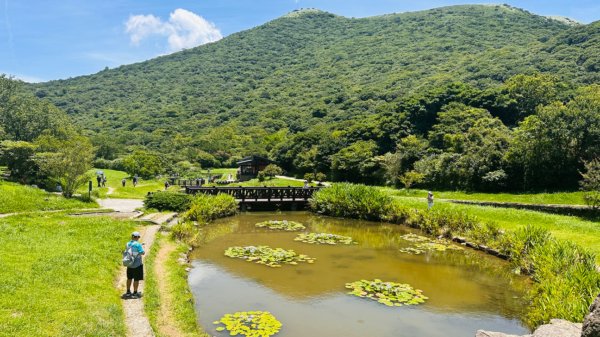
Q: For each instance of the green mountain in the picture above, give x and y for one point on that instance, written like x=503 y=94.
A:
x=312 y=69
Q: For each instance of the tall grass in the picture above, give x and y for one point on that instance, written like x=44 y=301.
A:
x=20 y=198
x=566 y=280
x=352 y=201
x=179 y=295
x=57 y=275
x=168 y=201
x=203 y=209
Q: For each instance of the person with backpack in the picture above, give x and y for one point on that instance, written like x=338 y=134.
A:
x=132 y=259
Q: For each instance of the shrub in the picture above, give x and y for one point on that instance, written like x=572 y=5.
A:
x=352 y=201
x=205 y=208
x=168 y=201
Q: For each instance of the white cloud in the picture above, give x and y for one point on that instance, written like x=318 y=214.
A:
x=183 y=30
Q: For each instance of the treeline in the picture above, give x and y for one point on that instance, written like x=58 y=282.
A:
x=533 y=132
x=38 y=143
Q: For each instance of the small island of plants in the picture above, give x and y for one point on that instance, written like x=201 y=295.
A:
x=389 y=293
x=250 y=324
x=272 y=257
x=285 y=225
x=324 y=238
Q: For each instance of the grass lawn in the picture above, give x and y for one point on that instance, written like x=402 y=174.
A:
x=57 y=275
x=581 y=231
x=559 y=198
x=20 y=198
x=113 y=180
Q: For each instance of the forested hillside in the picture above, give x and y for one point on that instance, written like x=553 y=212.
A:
x=323 y=93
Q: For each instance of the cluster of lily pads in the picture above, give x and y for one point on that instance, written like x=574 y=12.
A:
x=424 y=244
x=250 y=324
x=272 y=257
x=285 y=225
x=324 y=238
x=388 y=293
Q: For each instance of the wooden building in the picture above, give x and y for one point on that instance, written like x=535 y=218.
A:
x=249 y=167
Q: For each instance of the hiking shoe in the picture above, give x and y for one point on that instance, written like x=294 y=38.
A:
x=127 y=295
x=136 y=295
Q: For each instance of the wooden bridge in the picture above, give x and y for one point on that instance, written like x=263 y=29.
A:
x=262 y=197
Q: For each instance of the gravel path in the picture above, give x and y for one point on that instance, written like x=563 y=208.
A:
x=121 y=205
x=135 y=318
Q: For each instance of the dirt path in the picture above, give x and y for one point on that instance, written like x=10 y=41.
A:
x=166 y=323
x=135 y=318
x=111 y=190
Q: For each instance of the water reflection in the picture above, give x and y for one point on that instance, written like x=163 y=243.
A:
x=467 y=290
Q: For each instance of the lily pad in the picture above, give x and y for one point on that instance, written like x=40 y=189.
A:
x=411 y=250
x=424 y=244
x=250 y=324
x=285 y=225
x=324 y=238
x=414 y=238
x=272 y=257
x=390 y=294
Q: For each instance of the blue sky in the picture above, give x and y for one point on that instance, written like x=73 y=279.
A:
x=43 y=40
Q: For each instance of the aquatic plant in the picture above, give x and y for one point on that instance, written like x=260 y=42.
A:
x=272 y=257
x=285 y=225
x=250 y=324
x=411 y=250
x=440 y=246
x=324 y=238
x=388 y=293
x=414 y=238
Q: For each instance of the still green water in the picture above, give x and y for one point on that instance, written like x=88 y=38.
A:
x=467 y=290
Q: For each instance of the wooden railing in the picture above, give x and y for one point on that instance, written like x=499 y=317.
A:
x=258 y=193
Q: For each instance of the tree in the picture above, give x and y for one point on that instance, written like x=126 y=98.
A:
x=18 y=156
x=527 y=92
x=272 y=170
x=356 y=162
x=143 y=163
x=550 y=146
x=410 y=178
x=591 y=184
x=68 y=163
x=24 y=117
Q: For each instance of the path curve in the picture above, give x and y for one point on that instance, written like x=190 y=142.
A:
x=121 y=205
x=136 y=320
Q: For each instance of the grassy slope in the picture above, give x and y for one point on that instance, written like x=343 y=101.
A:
x=583 y=232
x=57 y=275
x=562 y=198
x=19 y=198
x=113 y=179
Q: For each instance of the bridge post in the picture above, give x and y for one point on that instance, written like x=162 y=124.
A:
x=269 y=194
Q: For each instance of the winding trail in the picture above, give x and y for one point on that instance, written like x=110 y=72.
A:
x=136 y=320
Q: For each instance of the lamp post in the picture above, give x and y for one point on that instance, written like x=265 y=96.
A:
x=209 y=176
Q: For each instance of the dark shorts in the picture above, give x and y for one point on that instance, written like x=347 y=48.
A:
x=137 y=274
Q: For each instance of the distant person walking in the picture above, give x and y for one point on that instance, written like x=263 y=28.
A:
x=135 y=272
x=135 y=180
x=103 y=181
x=123 y=181
x=306 y=185
x=429 y=200
x=166 y=185
x=99 y=180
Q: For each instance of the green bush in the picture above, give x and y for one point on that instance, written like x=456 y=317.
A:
x=352 y=201
x=205 y=208
x=168 y=201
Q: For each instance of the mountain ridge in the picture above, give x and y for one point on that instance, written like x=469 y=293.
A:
x=318 y=68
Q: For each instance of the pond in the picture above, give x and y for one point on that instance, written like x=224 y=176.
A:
x=466 y=290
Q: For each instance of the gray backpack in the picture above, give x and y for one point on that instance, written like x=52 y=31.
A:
x=128 y=257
